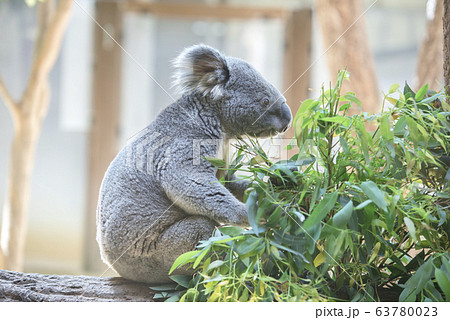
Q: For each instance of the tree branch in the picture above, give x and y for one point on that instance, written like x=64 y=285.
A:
x=17 y=286
x=9 y=101
x=48 y=50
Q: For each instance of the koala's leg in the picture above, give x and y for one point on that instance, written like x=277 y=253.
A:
x=181 y=237
x=153 y=267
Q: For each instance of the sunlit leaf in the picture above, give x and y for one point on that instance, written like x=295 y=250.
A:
x=393 y=88
x=320 y=258
x=411 y=227
x=375 y=194
x=218 y=163
x=421 y=92
x=183 y=259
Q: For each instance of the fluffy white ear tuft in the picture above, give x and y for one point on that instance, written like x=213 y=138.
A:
x=203 y=69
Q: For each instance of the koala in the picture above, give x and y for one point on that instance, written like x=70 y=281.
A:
x=159 y=196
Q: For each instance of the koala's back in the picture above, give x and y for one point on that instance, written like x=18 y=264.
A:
x=132 y=209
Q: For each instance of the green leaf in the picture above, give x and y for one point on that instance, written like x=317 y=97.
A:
x=398 y=263
x=392 y=100
x=250 y=247
x=257 y=159
x=307 y=105
x=364 y=139
x=252 y=210
x=321 y=210
x=400 y=126
x=216 y=162
x=159 y=296
x=341 y=218
x=417 y=282
x=344 y=144
x=411 y=228
x=421 y=93
x=279 y=246
x=345 y=121
x=413 y=131
x=375 y=250
x=320 y=258
x=352 y=98
x=183 y=259
x=181 y=280
x=215 y=264
x=444 y=282
x=313 y=234
x=363 y=204
x=385 y=128
x=375 y=194
x=442 y=214
x=275 y=252
x=345 y=106
x=173 y=299
x=200 y=257
x=407 y=91
x=231 y=231
x=393 y=88
x=285 y=169
x=164 y=287
x=332 y=247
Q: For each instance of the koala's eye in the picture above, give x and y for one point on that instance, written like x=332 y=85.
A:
x=266 y=102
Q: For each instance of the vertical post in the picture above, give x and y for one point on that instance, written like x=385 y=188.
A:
x=297 y=60
x=104 y=135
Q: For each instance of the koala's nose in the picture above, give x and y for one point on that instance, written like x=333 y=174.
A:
x=286 y=117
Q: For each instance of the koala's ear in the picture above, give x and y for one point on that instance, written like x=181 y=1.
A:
x=203 y=69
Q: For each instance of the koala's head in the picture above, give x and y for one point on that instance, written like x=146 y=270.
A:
x=247 y=103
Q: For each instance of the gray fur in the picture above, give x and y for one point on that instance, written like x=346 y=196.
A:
x=200 y=69
x=159 y=196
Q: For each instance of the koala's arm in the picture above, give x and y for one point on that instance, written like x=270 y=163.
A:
x=196 y=190
x=237 y=187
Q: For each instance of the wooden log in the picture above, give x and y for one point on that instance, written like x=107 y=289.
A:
x=17 y=286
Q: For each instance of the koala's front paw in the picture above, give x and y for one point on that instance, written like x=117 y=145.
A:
x=239 y=218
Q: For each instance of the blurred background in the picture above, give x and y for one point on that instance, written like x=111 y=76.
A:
x=101 y=94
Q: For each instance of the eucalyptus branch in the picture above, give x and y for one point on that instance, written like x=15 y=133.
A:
x=48 y=51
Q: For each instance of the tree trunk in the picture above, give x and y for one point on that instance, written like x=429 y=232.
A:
x=429 y=63
x=27 y=116
x=446 y=22
x=16 y=286
x=16 y=206
x=345 y=38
